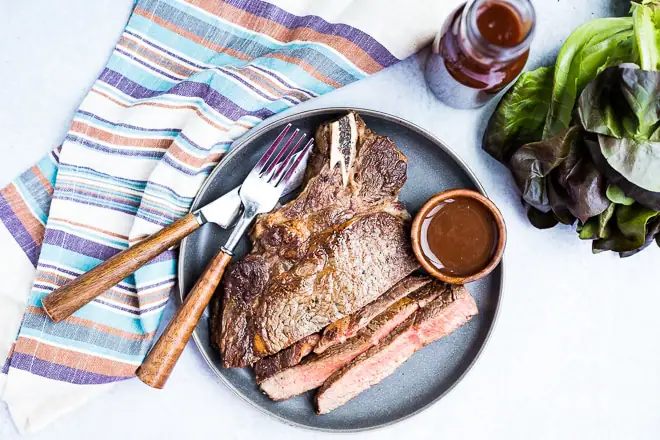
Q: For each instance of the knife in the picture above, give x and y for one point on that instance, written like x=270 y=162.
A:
x=223 y=211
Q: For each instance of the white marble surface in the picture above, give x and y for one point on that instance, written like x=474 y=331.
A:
x=574 y=354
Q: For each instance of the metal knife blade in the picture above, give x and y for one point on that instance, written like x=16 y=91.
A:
x=225 y=210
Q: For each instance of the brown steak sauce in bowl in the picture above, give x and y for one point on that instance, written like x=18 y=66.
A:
x=459 y=236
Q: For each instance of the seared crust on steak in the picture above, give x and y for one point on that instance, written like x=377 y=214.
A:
x=289 y=357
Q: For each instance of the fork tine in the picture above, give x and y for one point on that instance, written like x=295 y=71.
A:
x=291 y=167
x=280 y=170
x=280 y=153
x=264 y=159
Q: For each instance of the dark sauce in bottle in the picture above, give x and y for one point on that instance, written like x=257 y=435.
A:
x=482 y=48
x=500 y=24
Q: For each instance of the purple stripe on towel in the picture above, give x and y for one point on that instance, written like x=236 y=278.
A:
x=5 y=367
x=18 y=231
x=266 y=10
x=60 y=372
x=190 y=89
x=79 y=245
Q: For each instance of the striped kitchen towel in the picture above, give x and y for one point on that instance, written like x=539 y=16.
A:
x=184 y=81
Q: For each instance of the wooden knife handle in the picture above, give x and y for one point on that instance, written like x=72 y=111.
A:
x=160 y=362
x=66 y=300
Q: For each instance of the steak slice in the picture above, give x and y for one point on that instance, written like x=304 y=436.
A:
x=345 y=269
x=338 y=246
x=440 y=318
x=339 y=331
x=315 y=369
x=286 y=358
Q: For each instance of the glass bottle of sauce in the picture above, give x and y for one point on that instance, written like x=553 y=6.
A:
x=482 y=48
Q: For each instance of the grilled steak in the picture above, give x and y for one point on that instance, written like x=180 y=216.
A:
x=290 y=356
x=337 y=247
x=440 y=318
x=315 y=369
x=339 y=331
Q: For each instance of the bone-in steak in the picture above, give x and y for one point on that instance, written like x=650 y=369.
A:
x=337 y=247
x=438 y=319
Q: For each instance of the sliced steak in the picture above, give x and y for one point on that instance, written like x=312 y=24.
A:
x=339 y=331
x=286 y=358
x=315 y=369
x=345 y=269
x=439 y=318
x=338 y=246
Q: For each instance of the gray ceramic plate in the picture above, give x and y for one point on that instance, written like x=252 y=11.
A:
x=429 y=374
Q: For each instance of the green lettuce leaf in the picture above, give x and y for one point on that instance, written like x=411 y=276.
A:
x=597 y=227
x=634 y=228
x=647 y=35
x=589 y=49
x=646 y=40
x=616 y=195
x=520 y=115
x=637 y=161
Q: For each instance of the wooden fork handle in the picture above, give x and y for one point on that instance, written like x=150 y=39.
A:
x=66 y=300
x=160 y=362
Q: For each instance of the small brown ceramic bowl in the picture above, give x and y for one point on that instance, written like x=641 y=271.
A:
x=453 y=194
